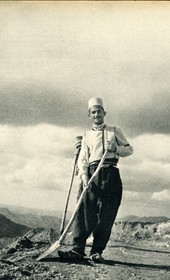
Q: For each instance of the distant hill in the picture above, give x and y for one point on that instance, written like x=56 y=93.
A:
x=32 y=220
x=147 y=220
x=35 y=218
x=25 y=210
x=11 y=229
x=7 y=213
x=132 y=228
x=15 y=224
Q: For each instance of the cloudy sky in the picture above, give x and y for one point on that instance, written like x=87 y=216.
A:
x=54 y=56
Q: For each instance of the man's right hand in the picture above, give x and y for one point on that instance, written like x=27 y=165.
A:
x=85 y=180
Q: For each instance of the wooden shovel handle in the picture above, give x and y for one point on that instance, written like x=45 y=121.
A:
x=62 y=237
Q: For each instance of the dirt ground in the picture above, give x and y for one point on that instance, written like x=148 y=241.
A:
x=122 y=262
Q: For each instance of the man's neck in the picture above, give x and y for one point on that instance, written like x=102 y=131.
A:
x=98 y=126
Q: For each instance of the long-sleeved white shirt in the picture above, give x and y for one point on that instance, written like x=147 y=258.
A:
x=92 y=147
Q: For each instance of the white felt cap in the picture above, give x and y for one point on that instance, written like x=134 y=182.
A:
x=95 y=101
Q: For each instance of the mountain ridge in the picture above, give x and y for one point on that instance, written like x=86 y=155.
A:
x=11 y=229
x=144 y=219
x=31 y=220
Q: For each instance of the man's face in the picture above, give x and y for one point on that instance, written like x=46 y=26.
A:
x=97 y=114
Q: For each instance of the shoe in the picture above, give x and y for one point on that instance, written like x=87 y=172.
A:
x=70 y=255
x=96 y=257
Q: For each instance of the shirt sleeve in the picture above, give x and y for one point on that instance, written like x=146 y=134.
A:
x=123 y=148
x=83 y=160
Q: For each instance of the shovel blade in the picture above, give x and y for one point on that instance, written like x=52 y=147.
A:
x=50 y=250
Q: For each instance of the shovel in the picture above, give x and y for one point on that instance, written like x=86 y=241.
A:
x=58 y=243
x=78 y=147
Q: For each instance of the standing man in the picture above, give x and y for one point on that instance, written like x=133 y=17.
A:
x=102 y=199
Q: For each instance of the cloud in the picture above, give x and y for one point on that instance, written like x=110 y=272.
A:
x=141 y=204
x=163 y=195
x=152 y=147
x=137 y=196
x=151 y=117
x=29 y=106
x=148 y=168
x=50 y=67
x=37 y=157
x=38 y=199
x=36 y=166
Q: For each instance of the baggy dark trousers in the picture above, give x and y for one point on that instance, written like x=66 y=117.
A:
x=98 y=210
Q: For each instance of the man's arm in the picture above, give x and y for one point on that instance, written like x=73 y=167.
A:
x=123 y=148
x=83 y=162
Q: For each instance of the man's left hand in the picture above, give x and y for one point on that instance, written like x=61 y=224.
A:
x=110 y=146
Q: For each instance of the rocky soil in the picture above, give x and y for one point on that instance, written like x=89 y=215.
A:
x=136 y=259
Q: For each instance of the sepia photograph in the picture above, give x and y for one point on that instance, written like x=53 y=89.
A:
x=84 y=140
